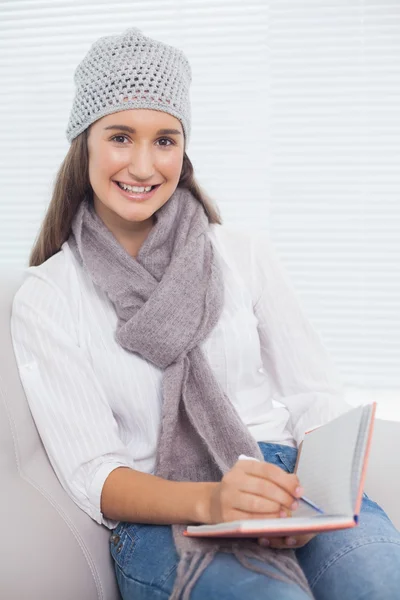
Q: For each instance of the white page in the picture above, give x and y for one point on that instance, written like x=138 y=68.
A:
x=326 y=465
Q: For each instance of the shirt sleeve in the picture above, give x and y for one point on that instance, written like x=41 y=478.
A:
x=68 y=404
x=303 y=375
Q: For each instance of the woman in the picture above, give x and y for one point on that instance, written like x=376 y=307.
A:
x=159 y=339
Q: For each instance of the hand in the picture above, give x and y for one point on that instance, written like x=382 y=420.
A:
x=291 y=541
x=253 y=490
x=294 y=541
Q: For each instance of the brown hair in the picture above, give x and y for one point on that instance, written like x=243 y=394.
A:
x=72 y=184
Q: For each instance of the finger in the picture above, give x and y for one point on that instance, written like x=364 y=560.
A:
x=302 y=540
x=283 y=542
x=273 y=542
x=267 y=489
x=252 y=503
x=240 y=515
x=295 y=541
x=287 y=481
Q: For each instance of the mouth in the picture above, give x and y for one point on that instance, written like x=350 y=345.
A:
x=136 y=195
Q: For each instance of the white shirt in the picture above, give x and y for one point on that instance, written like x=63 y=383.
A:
x=97 y=406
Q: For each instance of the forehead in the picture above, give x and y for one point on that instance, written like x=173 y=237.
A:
x=141 y=119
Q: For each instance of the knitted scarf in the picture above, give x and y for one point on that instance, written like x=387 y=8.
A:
x=168 y=299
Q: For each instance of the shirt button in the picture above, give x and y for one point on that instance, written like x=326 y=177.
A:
x=261 y=370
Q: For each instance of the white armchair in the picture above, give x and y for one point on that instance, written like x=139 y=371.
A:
x=51 y=548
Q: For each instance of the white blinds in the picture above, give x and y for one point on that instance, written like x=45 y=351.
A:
x=334 y=156
x=295 y=131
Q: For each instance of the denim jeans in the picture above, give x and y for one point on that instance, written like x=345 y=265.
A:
x=362 y=563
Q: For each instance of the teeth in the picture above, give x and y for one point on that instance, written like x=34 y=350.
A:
x=133 y=188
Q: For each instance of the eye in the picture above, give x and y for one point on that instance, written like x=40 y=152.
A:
x=172 y=143
x=118 y=136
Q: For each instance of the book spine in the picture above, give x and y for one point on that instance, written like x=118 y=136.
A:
x=364 y=471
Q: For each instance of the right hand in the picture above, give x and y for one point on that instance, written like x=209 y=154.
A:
x=253 y=490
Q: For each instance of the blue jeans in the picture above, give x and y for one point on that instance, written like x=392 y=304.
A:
x=352 y=564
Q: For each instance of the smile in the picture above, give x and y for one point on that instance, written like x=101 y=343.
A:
x=135 y=195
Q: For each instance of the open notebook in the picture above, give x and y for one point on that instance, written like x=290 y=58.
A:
x=331 y=468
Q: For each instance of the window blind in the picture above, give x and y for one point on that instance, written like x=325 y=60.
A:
x=295 y=132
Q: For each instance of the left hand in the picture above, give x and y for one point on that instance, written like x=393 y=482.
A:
x=285 y=542
x=291 y=541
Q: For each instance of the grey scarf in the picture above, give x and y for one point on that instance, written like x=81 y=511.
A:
x=168 y=300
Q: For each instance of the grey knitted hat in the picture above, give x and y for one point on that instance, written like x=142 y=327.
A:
x=128 y=71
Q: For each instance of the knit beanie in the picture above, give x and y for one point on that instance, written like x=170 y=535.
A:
x=126 y=71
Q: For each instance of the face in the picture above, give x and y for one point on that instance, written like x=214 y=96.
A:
x=129 y=147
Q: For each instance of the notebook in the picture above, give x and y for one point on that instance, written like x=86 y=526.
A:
x=331 y=468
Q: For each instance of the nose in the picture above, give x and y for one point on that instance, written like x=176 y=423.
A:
x=141 y=164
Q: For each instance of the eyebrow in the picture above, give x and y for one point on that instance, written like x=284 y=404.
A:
x=131 y=130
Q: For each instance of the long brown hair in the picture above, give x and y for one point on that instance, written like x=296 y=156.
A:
x=72 y=184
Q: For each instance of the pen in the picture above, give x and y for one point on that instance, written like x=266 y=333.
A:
x=310 y=503
x=303 y=498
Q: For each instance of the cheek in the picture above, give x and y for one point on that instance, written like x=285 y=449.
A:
x=112 y=160
x=104 y=163
x=170 y=164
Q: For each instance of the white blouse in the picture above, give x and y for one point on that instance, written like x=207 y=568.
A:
x=97 y=406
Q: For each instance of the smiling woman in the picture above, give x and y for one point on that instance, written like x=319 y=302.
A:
x=183 y=333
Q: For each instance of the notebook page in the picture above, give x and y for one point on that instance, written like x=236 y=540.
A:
x=326 y=465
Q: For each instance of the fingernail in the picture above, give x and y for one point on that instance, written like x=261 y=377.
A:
x=264 y=542
x=299 y=491
x=295 y=505
x=283 y=514
x=291 y=541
